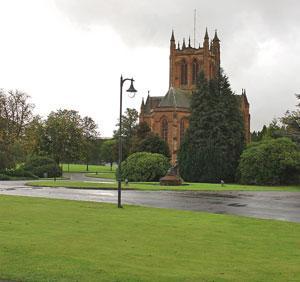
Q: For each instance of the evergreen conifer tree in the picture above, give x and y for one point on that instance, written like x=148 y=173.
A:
x=215 y=139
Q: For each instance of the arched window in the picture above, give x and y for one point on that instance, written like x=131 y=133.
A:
x=195 y=71
x=182 y=129
x=164 y=130
x=184 y=73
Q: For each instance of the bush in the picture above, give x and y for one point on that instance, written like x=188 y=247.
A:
x=40 y=165
x=144 y=166
x=4 y=177
x=271 y=161
x=20 y=173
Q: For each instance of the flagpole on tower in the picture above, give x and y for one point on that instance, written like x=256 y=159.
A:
x=195 y=22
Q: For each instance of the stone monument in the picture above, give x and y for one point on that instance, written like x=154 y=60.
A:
x=172 y=178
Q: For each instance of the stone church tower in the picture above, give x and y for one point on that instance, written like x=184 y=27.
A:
x=168 y=115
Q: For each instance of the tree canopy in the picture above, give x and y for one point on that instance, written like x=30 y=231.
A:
x=129 y=125
x=15 y=117
x=109 y=152
x=67 y=136
x=146 y=141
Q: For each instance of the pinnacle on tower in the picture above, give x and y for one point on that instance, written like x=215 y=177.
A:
x=189 y=41
x=172 y=37
x=183 y=44
x=206 y=42
x=172 y=42
x=216 y=39
x=178 y=46
x=206 y=35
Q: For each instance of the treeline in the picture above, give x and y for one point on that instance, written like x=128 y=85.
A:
x=274 y=155
x=64 y=136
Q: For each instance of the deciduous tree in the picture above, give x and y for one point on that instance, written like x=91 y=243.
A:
x=129 y=125
x=109 y=152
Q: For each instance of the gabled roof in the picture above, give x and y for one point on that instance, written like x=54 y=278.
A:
x=176 y=98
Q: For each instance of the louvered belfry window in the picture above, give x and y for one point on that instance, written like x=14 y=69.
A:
x=184 y=73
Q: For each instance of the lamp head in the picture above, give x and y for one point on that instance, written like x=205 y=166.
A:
x=131 y=89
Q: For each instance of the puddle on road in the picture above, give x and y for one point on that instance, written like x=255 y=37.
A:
x=237 y=205
x=208 y=194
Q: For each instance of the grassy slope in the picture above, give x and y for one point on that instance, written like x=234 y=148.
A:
x=156 y=186
x=82 y=168
x=55 y=240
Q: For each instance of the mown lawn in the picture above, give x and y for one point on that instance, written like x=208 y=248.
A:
x=82 y=168
x=153 y=186
x=58 y=240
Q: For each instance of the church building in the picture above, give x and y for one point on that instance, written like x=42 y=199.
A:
x=168 y=115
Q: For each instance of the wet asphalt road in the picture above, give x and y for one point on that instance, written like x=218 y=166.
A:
x=268 y=205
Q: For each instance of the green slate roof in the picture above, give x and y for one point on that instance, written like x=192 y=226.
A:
x=151 y=103
x=176 y=98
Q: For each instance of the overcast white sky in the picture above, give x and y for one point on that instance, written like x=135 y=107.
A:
x=70 y=53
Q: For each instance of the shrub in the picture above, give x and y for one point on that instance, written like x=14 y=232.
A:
x=40 y=165
x=20 y=173
x=144 y=166
x=4 y=177
x=271 y=161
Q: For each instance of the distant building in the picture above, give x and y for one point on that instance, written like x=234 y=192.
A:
x=168 y=115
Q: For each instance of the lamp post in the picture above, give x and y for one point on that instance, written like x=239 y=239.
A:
x=130 y=90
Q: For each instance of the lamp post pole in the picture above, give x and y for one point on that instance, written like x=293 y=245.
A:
x=131 y=90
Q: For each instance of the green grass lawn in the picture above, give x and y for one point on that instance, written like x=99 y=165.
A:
x=153 y=186
x=82 y=168
x=58 y=240
x=104 y=175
